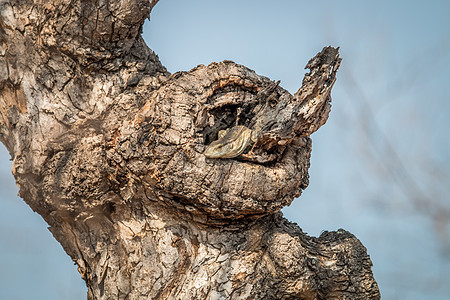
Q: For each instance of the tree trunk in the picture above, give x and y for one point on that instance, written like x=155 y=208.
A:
x=165 y=186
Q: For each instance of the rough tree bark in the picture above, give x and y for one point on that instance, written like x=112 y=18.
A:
x=108 y=148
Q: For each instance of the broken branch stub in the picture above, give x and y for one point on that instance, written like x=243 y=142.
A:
x=315 y=93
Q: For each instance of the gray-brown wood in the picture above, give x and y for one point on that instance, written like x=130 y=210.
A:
x=108 y=148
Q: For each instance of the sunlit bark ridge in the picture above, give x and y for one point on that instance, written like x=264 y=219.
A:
x=109 y=148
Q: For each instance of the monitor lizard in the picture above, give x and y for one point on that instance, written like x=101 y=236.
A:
x=231 y=142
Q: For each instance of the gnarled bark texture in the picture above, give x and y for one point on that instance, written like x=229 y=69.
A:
x=108 y=148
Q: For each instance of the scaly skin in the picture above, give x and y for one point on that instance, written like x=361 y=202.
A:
x=231 y=143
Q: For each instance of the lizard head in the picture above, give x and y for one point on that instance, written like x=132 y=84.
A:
x=232 y=142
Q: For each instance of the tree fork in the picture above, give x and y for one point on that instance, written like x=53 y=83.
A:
x=109 y=148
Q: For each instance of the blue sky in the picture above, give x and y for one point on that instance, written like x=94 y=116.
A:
x=381 y=158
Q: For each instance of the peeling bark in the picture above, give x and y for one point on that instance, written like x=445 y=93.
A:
x=108 y=148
